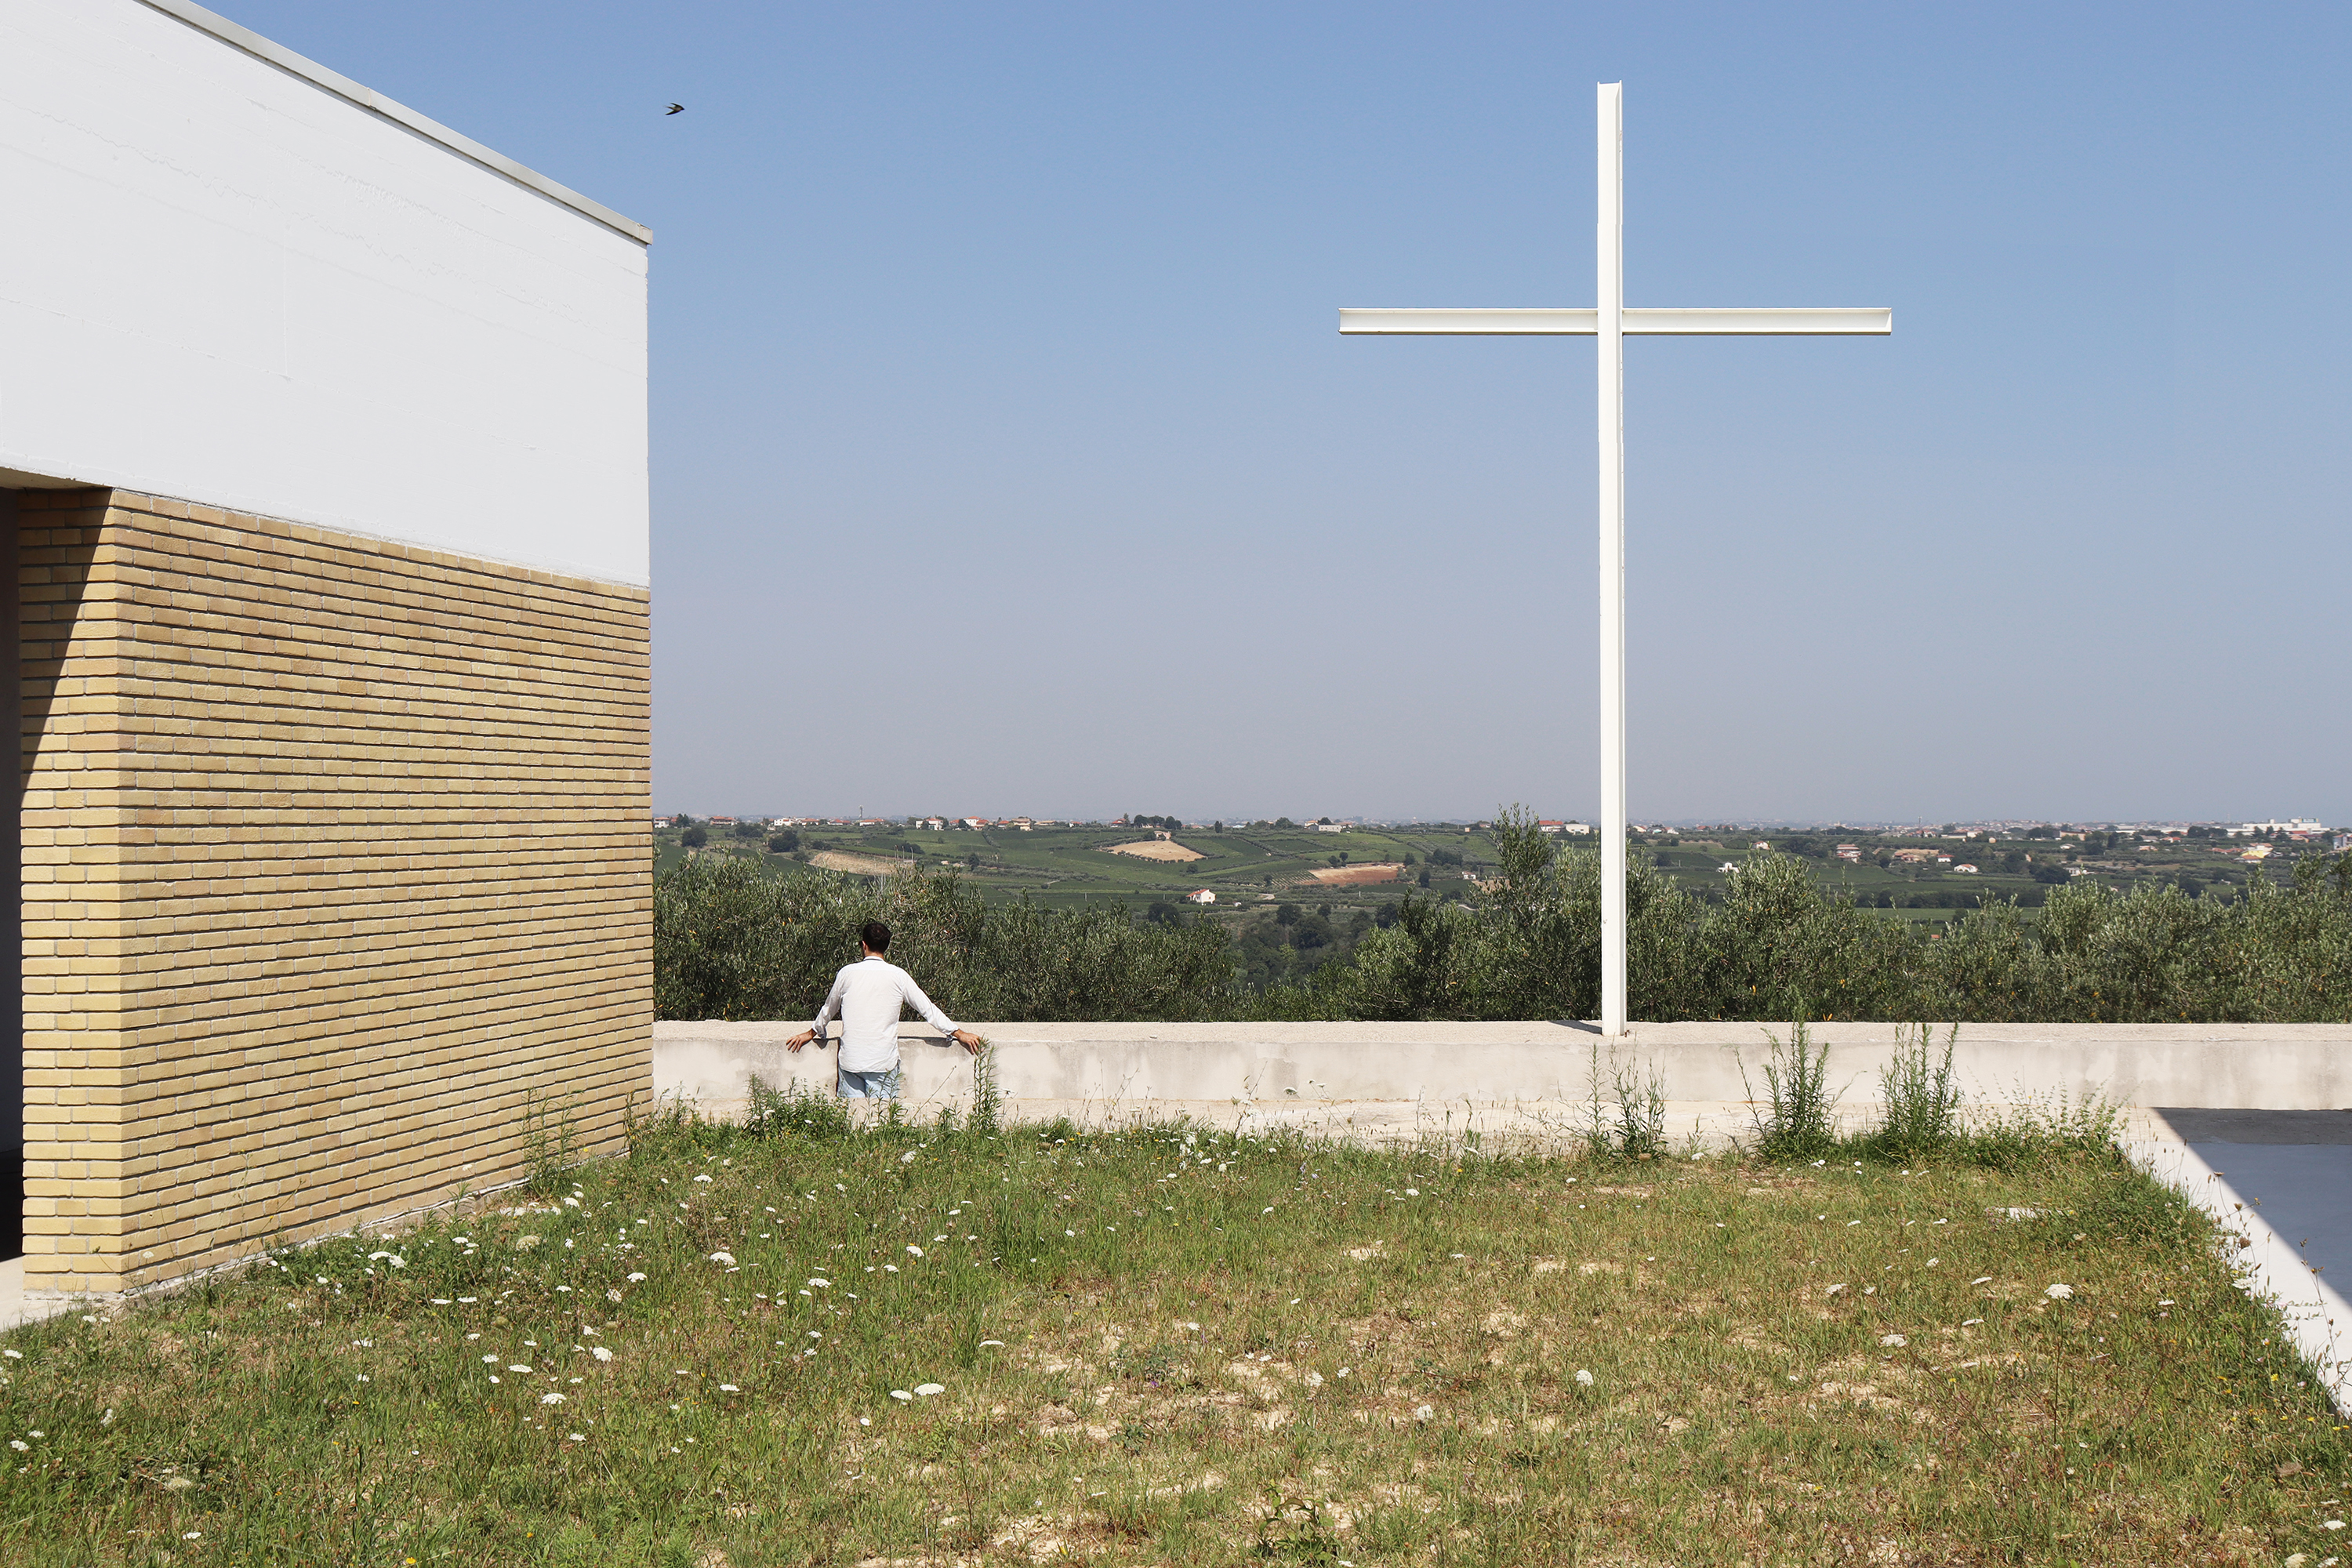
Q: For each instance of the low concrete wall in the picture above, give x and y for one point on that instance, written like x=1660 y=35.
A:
x=1526 y=1077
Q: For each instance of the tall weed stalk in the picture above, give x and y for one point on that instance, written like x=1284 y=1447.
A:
x=1800 y=1116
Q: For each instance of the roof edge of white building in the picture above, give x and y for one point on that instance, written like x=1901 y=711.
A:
x=342 y=86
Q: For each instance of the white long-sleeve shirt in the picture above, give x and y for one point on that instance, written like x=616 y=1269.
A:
x=866 y=998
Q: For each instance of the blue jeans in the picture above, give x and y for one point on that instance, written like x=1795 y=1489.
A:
x=881 y=1085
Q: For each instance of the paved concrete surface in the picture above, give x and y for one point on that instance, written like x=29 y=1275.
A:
x=2281 y=1183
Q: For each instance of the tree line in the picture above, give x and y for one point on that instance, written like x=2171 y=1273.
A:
x=736 y=940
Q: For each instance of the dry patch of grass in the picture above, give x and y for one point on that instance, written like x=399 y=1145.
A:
x=1379 y=871
x=860 y=865
x=1155 y=849
x=1170 y=1345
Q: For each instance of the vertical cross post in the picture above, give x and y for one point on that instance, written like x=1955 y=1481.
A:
x=1611 y=329
x=1609 y=322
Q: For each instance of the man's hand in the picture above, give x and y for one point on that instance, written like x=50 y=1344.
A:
x=968 y=1040
x=803 y=1038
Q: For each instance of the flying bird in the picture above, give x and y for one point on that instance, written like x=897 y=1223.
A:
x=675 y=108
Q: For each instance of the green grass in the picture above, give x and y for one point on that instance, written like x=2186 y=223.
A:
x=1213 y=1351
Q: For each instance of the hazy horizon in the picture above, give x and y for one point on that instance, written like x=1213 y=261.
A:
x=1006 y=455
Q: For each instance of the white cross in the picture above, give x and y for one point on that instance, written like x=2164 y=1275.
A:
x=1611 y=322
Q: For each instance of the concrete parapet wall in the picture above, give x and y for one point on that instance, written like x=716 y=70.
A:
x=1377 y=1069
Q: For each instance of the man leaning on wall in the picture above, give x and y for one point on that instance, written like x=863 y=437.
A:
x=867 y=997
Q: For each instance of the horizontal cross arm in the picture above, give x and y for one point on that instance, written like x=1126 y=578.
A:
x=1672 y=322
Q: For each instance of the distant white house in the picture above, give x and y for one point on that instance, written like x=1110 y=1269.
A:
x=1848 y=852
x=1728 y=868
x=1965 y=870
x=1199 y=896
x=2299 y=824
x=1331 y=828
x=1549 y=827
x=935 y=824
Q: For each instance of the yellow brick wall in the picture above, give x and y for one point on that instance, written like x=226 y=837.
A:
x=335 y=850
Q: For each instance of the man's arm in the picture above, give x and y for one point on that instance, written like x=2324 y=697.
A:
x=823 y=1015
x=933 y=1016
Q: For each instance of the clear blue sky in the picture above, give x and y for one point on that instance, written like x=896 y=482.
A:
x=1006 y=456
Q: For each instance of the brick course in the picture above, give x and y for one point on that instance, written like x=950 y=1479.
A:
x=334 y=851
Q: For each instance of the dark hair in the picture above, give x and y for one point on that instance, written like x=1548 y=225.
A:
x=875 y=936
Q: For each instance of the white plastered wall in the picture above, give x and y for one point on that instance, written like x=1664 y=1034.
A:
x=226 y=280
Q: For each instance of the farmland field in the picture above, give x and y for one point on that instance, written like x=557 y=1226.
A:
x=1363 y=868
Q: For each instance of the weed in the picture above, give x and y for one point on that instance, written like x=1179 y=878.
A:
x=1921 y=1099
x=1801 y=1121
x=550 y=1140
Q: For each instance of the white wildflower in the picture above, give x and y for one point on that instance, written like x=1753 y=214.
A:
x=726 y=1258
x=1970 y=1322
x=2059 y=1292
x=19 y=1445
x=600 y=1352
x=913 y=1251
x=1981 y=1279
x=1423 y=1412
x=997 y=1343
x=551 y=1398
x=889 y=1268
x=518 y=1366
x=908 y=1158
x=636 y=1278
x=822 y=1284
x=1933 y=1261
x=925 y=1390
x=1583 y=1378
x=575 y=1436
x=14 y=1355
x=728 y=1388
x=1893 y=1342
x=1834 y=1291
x=702 y=1178
x=902 y=1397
